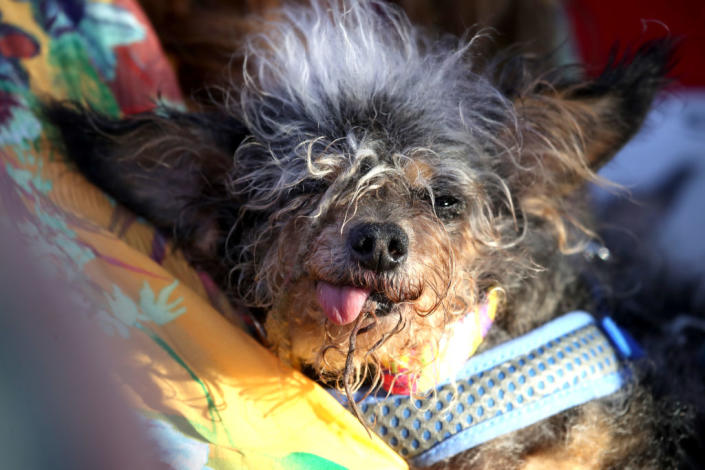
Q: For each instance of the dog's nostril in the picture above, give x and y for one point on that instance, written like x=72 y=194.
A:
x=397 y=248
x=378 y=246
x=364 y=244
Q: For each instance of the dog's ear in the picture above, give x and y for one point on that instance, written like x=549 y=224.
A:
x=167 y=166
x=571 y=127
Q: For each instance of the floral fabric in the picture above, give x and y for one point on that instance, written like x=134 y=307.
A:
x=210 y=395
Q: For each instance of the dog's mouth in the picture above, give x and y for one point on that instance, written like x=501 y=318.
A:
x=343 y=304
x=383 y=304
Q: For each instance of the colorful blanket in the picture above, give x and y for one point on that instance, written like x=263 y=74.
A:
x=210 y=395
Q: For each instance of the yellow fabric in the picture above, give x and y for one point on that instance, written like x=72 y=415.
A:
x=218 y=398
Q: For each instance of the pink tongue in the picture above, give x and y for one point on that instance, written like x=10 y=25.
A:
x=341 y=304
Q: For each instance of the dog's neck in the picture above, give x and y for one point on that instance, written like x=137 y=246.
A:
x=420 y=370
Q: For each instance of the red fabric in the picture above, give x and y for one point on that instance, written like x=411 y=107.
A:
x=599 y=24
x=17 y=44
x=143 y=71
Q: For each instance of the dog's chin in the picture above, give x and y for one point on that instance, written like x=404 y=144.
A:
x=306 y=332
x=384 y=331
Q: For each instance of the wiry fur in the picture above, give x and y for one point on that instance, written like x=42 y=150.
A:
x=346 y=114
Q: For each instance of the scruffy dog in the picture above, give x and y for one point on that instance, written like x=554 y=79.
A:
x=366 y=186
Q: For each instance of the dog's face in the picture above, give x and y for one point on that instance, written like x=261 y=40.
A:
x=367 y=185
x=386 y=250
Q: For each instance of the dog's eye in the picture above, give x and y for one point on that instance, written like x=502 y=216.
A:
x=445 y=202
x=448 y=207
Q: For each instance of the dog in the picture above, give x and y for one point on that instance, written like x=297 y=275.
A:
x=364 y=186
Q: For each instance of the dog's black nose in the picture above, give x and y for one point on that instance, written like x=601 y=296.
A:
x=378 y=246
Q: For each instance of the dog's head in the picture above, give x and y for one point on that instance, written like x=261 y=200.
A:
x=366 y=186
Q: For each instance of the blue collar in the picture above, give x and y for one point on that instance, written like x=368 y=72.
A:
x=564 y=363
